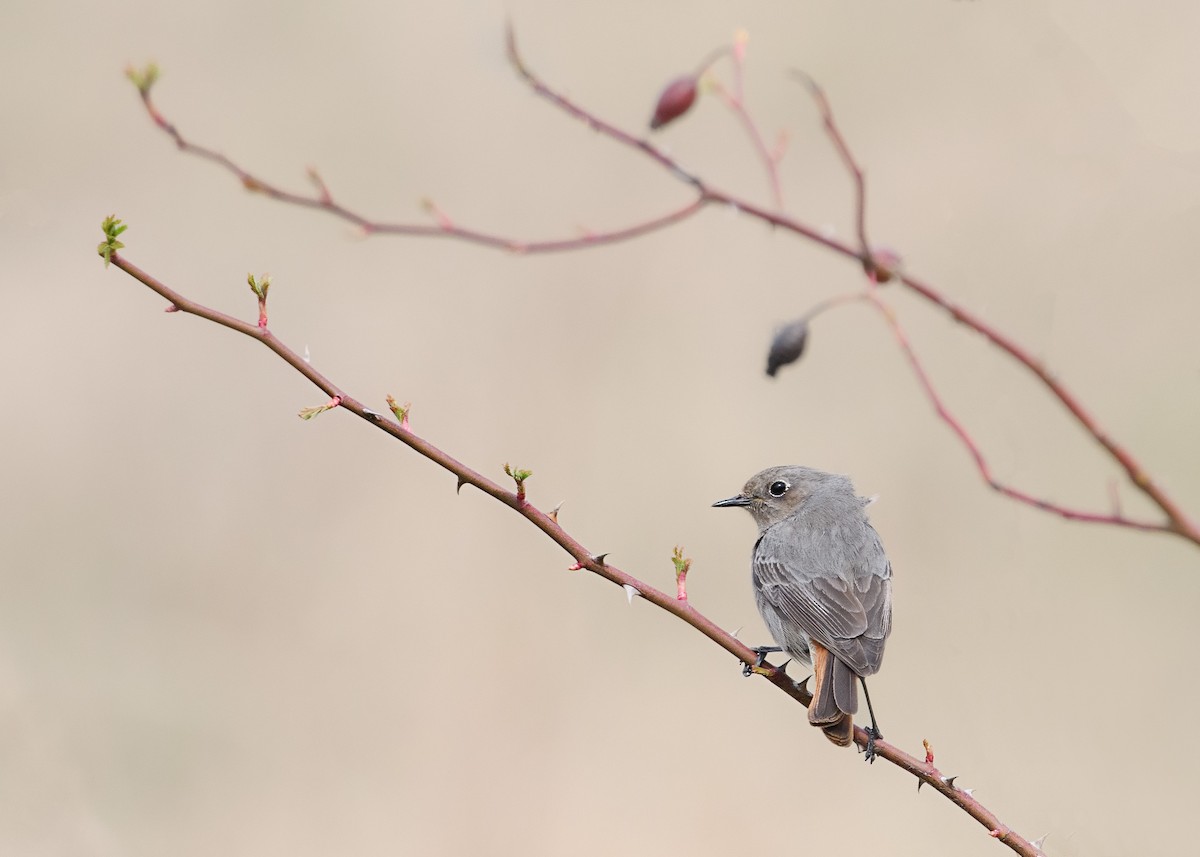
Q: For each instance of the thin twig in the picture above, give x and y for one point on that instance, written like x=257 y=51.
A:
x=584 y=559
x=323 y=200
x=852 y=167
x=736 y=102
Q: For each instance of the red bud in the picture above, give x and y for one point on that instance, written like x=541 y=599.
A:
x=675 y=100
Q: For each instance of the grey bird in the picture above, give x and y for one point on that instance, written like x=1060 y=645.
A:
x=823 y=586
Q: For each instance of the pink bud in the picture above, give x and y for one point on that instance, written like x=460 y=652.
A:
x=675 y=100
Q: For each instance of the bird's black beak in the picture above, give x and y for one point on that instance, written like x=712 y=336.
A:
x=739 y=500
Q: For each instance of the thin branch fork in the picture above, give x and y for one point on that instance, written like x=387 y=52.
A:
x=872 y=297
x=1176 y=520
x=322 y=200
x=1116 y=518
x=923 y=770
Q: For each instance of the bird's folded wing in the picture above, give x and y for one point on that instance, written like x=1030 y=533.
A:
x=849 y=619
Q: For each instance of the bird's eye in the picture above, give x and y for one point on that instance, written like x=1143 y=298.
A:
x=778 y=488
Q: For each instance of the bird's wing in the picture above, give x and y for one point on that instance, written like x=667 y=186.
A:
x=850 y=614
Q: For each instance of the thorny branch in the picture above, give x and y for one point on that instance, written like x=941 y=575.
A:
x=879 y=266
x=517 y=500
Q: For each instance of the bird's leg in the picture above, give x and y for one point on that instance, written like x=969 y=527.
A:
x=873 y=732
x=762 y=652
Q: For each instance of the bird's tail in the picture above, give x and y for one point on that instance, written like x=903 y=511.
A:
x=835 y=696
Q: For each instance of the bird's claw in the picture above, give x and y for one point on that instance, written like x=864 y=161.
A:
x=869 y=754
x=762 y=652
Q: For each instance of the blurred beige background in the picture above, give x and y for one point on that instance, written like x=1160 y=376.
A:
x=227 y=631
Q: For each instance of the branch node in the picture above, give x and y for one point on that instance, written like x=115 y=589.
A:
x=322 y=189
x=443 y=220
x=518 y=476
x=310 y=413
x=682 y=566
x=401 y=414
x=260 y=286
x=881 y=264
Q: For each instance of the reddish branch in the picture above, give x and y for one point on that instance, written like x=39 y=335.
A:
x=851 y=165
x=1115 y=518
x=1175 y=522
x=516 y=500
x=736 y=101
x=871 y=296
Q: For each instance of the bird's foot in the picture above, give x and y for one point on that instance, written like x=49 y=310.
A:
x=762 y=652
x=873 y=735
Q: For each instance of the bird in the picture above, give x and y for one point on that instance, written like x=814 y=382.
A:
x=823 y=585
